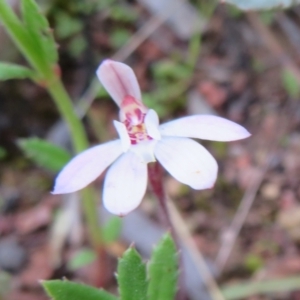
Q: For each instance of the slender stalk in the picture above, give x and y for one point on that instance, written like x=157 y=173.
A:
x=180 y=232
x=156 y=179
x=65 y=107
x=30 y=47
x=80 y=142
x=89 y=206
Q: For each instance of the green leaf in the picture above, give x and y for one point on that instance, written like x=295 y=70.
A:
x=163 y=271
x=13 y=71
x=82 y=258
x=45 y=154
x=247 y=289
x=167 y=68
x=123 y=13
x=17 y=31
x=119 y=37
x=5 y=284
x=111 y=229
x=66 y=290
x=253 y=262
x=262 y=4
x=67 y=25
x=77 y=45
x=132 y=276
x=3 y=153
x=39 y=31
x=290 y=83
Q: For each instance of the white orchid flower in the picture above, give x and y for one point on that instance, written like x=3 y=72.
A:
x=143 y=140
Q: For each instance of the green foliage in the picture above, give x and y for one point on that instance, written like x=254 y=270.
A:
x=262 y=4
x=119 y=37
x=111 y=229
x=172 y=79
x=67 y=25
x=193 y=52
x=77 y=45
x=132 y=276
x=5 y=284
x=163 y=271
x=82 y=258
x=166 y=98
x=253 y=262
x=32 y=35
x=267 y=17
x=123 y=13
x=248 y=289
x=205 y=8
x=44 y=153
x=66 y=290
x=290 y=83
x=3 y=153
x=135 y=283
x=169 y=69
x=13 y=71
x=39 y=31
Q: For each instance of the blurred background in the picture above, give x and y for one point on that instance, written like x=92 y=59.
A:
x=190 y=57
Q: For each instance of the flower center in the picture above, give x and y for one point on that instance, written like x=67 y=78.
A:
x=133 y=117
x=137 y=133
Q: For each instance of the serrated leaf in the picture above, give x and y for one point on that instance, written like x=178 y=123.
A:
x=262 y=4
x=13 y=71
x=111 y=229
x=163 y=271
x=132 y=276
x=67 y=290
x=39 y=31
x=45 y=154
x=82 y=258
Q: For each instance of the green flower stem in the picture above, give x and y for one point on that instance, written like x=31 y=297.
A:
x=89 y=205
x=66 y=109
x=47 y=76
x=80 y=142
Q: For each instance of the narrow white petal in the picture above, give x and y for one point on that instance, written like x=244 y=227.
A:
x=125 y=184
x=205 y=127
x=86 y=167
x=119 y=80
x=152 y=123
x=123 y=134
x=187 y=161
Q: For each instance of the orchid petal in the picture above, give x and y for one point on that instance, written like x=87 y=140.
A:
x=152 y=123
x=86 y=167
x=119 y=80
x=145 y=150
x=125 y=184
x=188 y=161
x=123 y=134
x=205 y=127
